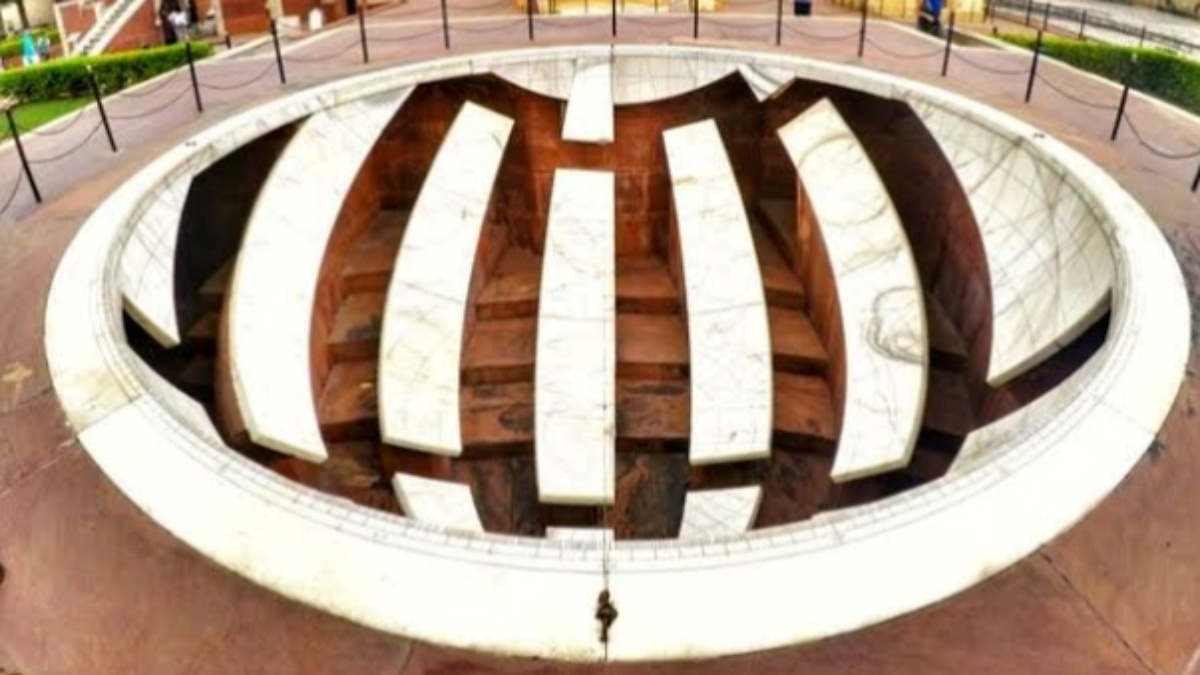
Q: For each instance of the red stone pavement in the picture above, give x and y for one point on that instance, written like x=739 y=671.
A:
x=94 y=587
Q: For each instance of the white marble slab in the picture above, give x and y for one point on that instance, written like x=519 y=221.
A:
x=589 y=117
x=711 y=513
x=148 y=262
x=1049 y=260
x=274 y=284
x=878 y=293
x=443 y=503
x=729 y=341
x=576 y=374
x=590 y=537
x=766 y=81
x=421 y=345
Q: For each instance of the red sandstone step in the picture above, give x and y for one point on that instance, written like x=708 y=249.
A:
x=947 y=349
x=356 y=327
x=212 y=291
x=803 y=412
x=501 y=350
x=794 y=343
x=203 y=334
x=948 y=418
x=368 y=265
x=196 y=378
x=644 y=286
x=651 y=346
x=779 y=217
x=781 y=284
x=348 y=408
x=353 y=471
x=512 y=290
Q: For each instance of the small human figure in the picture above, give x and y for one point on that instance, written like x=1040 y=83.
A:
x=28 y=50
x=43 y=48
x=606 y=614
x=179 y=23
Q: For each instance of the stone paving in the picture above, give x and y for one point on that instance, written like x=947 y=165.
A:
x=1117 y=594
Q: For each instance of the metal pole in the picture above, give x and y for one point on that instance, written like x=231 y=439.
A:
x=12 y=129
x=228 y=42
x=362 y=32
x=1028 y=11
x=862 y=30
x=613 y=12
x=1121 y=113
x=445 y=25
x=187 y=49
x=1196 y=180
x=1037 y=52
x=949 y=39
x=779 y=23
x=100 y=106
x=695 y=19
x=278 y=54
x=1046 y=16
x=1142 y=37
x=529 y=13
x=1082 y=24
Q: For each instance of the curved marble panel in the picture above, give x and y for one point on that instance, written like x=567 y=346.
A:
x=710 y=513
x=438 y=502
x=730 y=343
x=878 y=292
x=274 y=282
x=575 y=385
x=589 y=117
x=424 y=315
x=525 y=596
x=1048 y=255
x=148 y=262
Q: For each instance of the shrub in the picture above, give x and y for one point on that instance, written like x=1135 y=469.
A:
x=1156 y=72
x=12 y=46
x=67 y=78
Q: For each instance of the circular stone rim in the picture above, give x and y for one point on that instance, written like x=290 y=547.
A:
x=536 y=598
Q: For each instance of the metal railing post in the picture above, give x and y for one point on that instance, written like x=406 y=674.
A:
x=1120 y=112
x=695 y=19
x=362 y=32
x=278 y=53
x=12 y=129
x=445 y=25
x=1037 y=52
x=529 y=14
x=1082 y=25
x=100 y=106
x=779 y=23
x=949 y=39
x=862 y=30
x=187 y=49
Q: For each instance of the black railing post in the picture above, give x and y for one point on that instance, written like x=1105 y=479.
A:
x=987 y=10
x=187 y=49
x=862 y=30
x=695 y=19
x=779 y=23
x=529 y=14
x=1120 y=111
x=1142 y=37
x=362 y=32
x=228 y=42
x=445 y=25
x=1046 y=16
x=949 y=39
x=100 y=106
x=1037 y=52
x=1028 y=12
x=12 y=129
x=1196 y=180
x=1082 y=25
x=278 y=53
x=613 y=13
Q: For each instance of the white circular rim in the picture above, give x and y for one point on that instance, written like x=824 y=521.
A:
x=677 y=599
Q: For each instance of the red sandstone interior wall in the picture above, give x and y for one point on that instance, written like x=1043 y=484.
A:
x=816 y=273
x=245 y=16
x=76 y=19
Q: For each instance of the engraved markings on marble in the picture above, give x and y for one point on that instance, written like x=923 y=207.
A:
x=879 y=293
x=275 y=281
x=730 y=342
x=575 y=385
x=421 y=346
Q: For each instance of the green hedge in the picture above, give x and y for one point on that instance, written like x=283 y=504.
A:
x=12 y=46
x=67 y=78
x=1156 y=72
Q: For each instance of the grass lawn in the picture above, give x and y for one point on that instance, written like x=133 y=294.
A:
x=30 y=116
